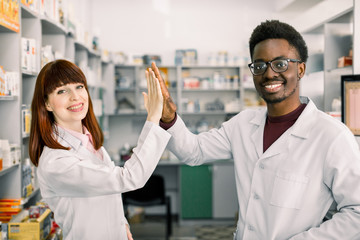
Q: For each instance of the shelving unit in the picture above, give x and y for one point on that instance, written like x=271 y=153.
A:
x=10 y=127
x=333 y=39
x=124 y=107
x=45 y=32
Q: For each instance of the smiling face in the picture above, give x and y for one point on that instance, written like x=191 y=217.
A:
x=69 y=104
x=278 y=89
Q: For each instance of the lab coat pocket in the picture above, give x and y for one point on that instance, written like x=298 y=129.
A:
x=289 y=190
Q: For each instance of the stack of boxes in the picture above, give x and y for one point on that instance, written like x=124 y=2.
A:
x=9 y=14
x=9 y=83
x=9 y=208
x=28 y=54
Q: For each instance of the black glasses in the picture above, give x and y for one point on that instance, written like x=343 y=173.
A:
x=277 y=65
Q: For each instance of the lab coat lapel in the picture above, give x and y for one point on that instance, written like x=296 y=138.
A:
x=300 y=129
x=81 y=151
x=257 y=135
x=280 y=146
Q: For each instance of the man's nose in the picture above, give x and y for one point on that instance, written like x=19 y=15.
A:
x=269 y=72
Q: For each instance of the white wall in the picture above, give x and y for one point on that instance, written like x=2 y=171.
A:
x=161 y=26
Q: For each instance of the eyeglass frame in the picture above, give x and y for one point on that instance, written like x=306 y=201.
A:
x=269 y=63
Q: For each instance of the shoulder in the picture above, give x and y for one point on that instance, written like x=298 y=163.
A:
x=250 y=115
x=320 y=126
x=329 y=123
x=55 y=158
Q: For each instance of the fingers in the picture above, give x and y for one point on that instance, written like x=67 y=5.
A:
x=145 y=100
x=161 y=80
x=128 y=233
x=156 y=70
x=152 y=82
x=155 y=82
x=147 y=79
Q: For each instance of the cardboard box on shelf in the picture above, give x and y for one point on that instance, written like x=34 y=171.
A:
x=37 y=229
x=344 y=61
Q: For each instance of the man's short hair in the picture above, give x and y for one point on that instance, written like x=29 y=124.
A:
x=274 y=29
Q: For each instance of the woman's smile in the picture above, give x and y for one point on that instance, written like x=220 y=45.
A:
x=77 y=107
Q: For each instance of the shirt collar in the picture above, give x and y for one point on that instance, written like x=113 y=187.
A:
x=301 y=127
x=84 y=137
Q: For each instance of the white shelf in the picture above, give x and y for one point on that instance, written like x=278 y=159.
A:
x=7 y=170
x=28 y=73
x=27 y=12
x=51 y=27
x=8 y=98
x=195 y=90
x=208 y=113
x=27 y=199
x=208 y=66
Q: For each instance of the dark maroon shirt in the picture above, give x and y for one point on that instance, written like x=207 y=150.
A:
x=166 y=126
x=276 y=126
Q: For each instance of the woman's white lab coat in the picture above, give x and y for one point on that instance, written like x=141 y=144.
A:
x=84 y=192
x=284 y=192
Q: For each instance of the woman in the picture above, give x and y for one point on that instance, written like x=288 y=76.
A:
x=77 y=178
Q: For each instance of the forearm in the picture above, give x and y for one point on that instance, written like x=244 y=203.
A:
x=197 y=149
x=60 y=168
x=146 y=155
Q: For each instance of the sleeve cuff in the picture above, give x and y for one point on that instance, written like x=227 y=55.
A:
x=166 y=126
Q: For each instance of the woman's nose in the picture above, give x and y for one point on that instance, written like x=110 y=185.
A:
x=74 y=95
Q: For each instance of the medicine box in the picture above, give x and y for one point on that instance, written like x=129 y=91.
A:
x=37 y=229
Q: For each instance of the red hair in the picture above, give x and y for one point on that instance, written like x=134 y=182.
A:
x=53 y=75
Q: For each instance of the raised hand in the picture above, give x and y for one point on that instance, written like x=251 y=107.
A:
x=169 y=109
x=128 y=233
x=153 y=100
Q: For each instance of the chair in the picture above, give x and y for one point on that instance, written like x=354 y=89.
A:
x=152 y=194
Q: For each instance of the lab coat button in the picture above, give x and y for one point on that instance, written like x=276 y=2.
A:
x=251 y=228
x=256 y=196
x=261 y=166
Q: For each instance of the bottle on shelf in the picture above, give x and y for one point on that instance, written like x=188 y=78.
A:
x=1 y=159
x=6 y=155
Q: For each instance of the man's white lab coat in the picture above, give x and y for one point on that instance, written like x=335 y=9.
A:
x=84 y=192
x=285 y=192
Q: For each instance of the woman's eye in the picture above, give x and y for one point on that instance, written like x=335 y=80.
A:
x=80 y=86
x=60 y=91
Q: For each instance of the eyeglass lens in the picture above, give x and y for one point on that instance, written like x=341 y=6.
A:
x=279 y=65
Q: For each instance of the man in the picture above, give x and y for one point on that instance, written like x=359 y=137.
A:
x=291 y=160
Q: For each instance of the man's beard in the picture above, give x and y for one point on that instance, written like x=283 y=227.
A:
x=280 y=99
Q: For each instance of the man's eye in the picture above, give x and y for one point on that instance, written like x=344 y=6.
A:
x=280 y=64
x=259 y=66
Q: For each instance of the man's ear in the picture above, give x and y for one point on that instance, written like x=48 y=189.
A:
x=301 y=70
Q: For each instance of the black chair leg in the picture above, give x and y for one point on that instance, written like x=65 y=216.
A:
x=168 y=218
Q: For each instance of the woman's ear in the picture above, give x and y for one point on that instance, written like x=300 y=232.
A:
x=48 y=107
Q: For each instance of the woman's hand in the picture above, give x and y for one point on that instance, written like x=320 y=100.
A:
x=169 y=109
x=129 y=235
x=153 y=100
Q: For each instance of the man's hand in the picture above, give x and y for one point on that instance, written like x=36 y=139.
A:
x=169 y=107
